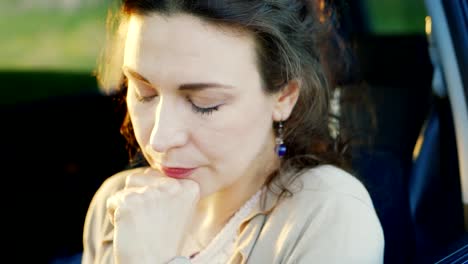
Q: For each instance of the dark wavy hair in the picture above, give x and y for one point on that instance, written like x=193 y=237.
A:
x=295 y=39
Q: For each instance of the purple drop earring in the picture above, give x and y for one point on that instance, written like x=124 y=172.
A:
x=280 y=148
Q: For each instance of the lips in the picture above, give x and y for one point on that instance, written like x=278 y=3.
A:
x=177 y=173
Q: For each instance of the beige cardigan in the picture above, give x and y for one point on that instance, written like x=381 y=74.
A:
x=330 y=219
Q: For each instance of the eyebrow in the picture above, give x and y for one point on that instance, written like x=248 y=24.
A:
x=183 y=87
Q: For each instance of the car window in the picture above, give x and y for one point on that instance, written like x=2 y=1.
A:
x=395 y=16
x=51 y=35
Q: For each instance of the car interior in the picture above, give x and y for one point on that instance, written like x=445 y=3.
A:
x=61 y=139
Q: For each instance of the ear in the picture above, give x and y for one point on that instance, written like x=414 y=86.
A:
x=285 y=100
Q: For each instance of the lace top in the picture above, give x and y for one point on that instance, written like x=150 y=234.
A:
x=220 y=249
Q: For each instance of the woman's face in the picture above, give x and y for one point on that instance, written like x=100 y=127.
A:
x=196 y=102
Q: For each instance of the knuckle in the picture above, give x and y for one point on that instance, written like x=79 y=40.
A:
x=135 y=180
x=192 y=188
x=129 y=180
x=153 y=194
x=117 y=215
x=169 y=185
x=132 y=198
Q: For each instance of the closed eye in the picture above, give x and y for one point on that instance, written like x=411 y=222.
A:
x=145 y=99
x=203 y=110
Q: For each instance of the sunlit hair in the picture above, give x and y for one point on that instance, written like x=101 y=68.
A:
x=295 y=40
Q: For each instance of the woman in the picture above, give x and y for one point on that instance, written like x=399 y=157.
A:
x=228 y=112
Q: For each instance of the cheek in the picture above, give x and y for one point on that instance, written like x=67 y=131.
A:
x=142 y=121
x=237 y=135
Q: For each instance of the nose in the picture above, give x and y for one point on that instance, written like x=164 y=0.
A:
x=168 y=131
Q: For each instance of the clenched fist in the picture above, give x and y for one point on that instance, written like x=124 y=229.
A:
x=150 y=217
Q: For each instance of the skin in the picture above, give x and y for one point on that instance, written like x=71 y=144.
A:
x=195 y=100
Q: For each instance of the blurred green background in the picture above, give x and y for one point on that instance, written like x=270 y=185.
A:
x=65 y=36
x=49 y=47
x=40 y=34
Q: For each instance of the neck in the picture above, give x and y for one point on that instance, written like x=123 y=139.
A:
x=215 y=210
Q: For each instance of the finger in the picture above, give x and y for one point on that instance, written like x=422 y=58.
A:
x=122 y=200
x=112 y=204
x=153 y=172
x=141 y=178
x=168 y=185
x=136 y=180
x=191 y=188
x=154 y=179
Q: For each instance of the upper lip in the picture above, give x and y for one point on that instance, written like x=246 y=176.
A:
x=175 y=167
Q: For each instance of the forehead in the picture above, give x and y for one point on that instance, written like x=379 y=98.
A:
x=188 y=47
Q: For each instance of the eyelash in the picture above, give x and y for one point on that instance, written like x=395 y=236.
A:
x=195 y=108
x=145 y=99
x=201 y=110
